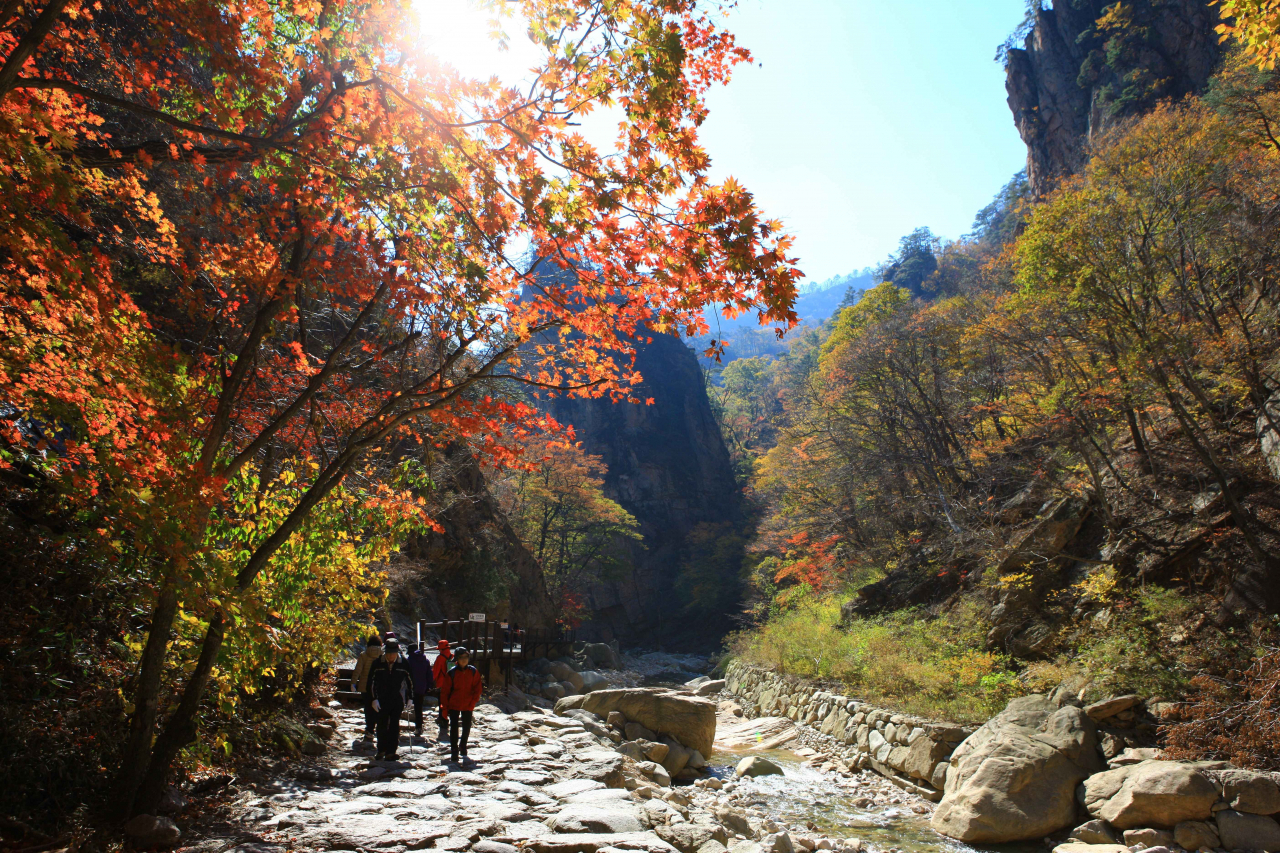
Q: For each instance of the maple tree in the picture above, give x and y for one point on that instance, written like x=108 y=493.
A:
x=558 y=508
x=276 y=241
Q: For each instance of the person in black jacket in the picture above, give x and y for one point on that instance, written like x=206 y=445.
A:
x=392 y=687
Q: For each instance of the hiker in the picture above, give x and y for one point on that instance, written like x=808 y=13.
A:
x=423 y=682
x=392 y=687
x=438 y=670
x=459 y=693
x=360 y=681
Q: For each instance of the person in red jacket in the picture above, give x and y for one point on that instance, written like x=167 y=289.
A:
x=438 y=670
x=459 y=693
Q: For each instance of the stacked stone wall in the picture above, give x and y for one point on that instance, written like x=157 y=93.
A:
x=911 y=752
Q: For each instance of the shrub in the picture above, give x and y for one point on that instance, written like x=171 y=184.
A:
x=909 y=661
x=1236 y=718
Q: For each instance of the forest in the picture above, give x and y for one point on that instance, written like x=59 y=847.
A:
x=1044 y=452
x=285 y=304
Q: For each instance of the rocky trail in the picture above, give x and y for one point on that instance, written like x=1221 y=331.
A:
x=568 y=782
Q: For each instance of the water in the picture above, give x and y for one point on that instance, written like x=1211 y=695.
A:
x=826 y=805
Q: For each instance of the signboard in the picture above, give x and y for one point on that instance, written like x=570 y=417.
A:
x=475 y=617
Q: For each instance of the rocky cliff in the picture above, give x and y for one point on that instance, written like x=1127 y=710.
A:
x=1087 y=64
x=668 y=466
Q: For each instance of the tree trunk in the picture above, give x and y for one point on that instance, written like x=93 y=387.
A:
x=180 y=729
x=146 y=698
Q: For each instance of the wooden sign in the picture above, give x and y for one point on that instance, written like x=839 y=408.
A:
x=475 y=617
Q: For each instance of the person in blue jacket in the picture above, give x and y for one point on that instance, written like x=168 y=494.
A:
x=423 y=683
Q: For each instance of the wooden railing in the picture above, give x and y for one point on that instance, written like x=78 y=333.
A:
x=492 y=642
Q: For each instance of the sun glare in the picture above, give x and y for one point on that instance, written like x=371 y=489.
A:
x=459 y=33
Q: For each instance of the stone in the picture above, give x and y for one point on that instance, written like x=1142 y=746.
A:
x=1112 y=706
x=710 y=688
x=595 y=818
x=1145 y=838
x=490 y=846
x=147 y=830
x=632 y=749
x=592 y=680
x=1248 y=791
x=757 y=765
x=923 y=756
x=635 y=731
x=690 y=720
x=589 y=842
x=696 y=761
x=1194 y=834
x=1096 y=832
x=746 y=846
x=563 y=790
x=616 y=720
x=677 y=757
x=602 y=655
x=1078 y=847
x=1153 y=793
x=1014 y=779
x=733 y=821
x=1242 y=831
x=690 y=837
x=778 y=843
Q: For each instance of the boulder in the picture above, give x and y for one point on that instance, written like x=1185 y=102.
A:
x=757 y=765
x=1194 y=834
x=147 y=830
x=1145 y=838
x=1014 y=779
x=690 y=720
x=710 y=688
x=589 y=842
x=563 y=672
x=617 y=721
x=594 y=818
x=1249 y=791
x=1096 y=832
x=570 y=688
x=778 y=843
x=592 y=680
x=922 y=757
x=1112 y=706
x=1241 y=831
x=1153 y=793
x=635 y=731
x=677 y=757
x=733 y=821
x=1079 y=847
x=690 y=837
x=602 y=655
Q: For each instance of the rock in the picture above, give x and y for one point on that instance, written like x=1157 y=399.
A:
x=635 y=731
x=677 y=757
x=1014 y=779
x=733 y=821
x=1248 y=791
x=690 y=837
x=593 y=818
x=696 y=761
x=690 y=720
x=488 y=846
x=570 y=787
x=1110 y=707
x=1241 y=831
x=746 y=846
x=757 y=765
x=778 y=843
x=617 y=721
x=1145 y=838
x=151 y=831
x=710 y=688
x=1133 y=755
x=589 y=842
x=655 y=751
x=656 y=772
x=1078 y=847
x=592 y=680
x=1153 y=793
x=695 y=683
x=1194 y=834
x=632 y=749
x=172 y=802
x=922 y=757
x=602 y=655
x=1096 y=832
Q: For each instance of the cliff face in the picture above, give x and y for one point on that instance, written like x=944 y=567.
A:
x=1088 y=64
x=668 y=466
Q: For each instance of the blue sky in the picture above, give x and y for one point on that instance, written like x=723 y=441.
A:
x=867 y=119
x=859 y=121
